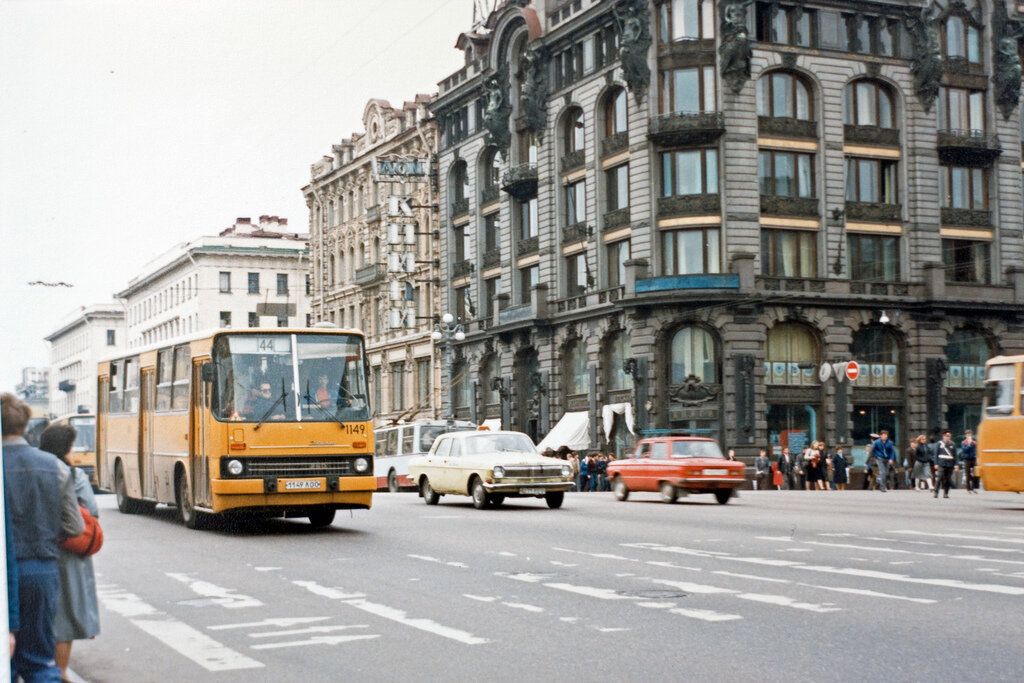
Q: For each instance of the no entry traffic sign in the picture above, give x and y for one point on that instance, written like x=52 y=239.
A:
x=852 y=370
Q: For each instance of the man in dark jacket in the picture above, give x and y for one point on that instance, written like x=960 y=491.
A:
x=785 y=466
x=884 y=455
x=43 y=509
x=969 y=458
x=947 y=461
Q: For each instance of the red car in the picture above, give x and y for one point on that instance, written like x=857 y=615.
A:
x=675 y=465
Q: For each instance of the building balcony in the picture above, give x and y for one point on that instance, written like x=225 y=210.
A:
x=520 y=181
x=974 y=218
x=489 y=194
x=572 y=161
x=893 y=289
x=874 y=212
x=462 y=268
x=689 y=205
x=371 y=274
x=796 y=207
x=573 y=234
x=615 y=219
x=872 y=136
x=613 y=144
x=492 y=257
x=585 y=300
x=460 y=207
x=961 y=146
x=527 y=246
x=684 y=128
x=786 y=127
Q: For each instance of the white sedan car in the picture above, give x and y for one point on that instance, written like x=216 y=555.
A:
x=489 y=467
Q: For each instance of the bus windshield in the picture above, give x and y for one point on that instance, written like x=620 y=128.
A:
x=276 y=377
x=85 y=439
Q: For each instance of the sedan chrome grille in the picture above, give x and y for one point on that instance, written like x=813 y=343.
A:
x=532 y=471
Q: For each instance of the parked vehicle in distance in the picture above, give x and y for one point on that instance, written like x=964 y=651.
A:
x=396 y=446
x=83 y=451
x=489 y=467
x=35 y=428
x=674 y=465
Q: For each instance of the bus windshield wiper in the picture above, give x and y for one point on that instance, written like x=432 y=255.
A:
x=280 y=399
x=309 y=401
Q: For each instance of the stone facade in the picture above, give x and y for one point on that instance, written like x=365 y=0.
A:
x=84 y=338
x=375 y=271
x=788 y=185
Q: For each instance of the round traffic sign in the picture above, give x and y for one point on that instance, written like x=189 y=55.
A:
x=852 y=370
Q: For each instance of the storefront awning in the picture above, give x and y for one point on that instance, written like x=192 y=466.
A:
x=573 y=430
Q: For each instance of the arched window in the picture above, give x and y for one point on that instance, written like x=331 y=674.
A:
x=877 y=351
x=784 y=95
x=792 y=356
x=576 y=375
x=490 y=168
x=868 y=103
x=459 y=182
x=966 y=353
x=616 y=352
x=692 y=352
x=616 y=119
x=573 y=130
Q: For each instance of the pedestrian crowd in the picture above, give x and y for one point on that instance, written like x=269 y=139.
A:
x=926 y=465
x=589 y=468
x=51 y=533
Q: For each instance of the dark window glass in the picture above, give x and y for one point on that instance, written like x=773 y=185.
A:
x=966 y=261
x=874 y=257
x=789 y=253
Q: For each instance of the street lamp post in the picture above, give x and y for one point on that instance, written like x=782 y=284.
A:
x=447 y=329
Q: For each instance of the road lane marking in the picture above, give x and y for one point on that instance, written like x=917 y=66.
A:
x=427 y=558
x=523 y=606
x=590 y=591
x=480 y=598
x=903 y=578
x=688 y=587
x=870 y=593
x=177 y=635
x=319 y=640
x=267 y=569
x=281 y=621
x=311 y=629
x=393 y=614
x=752 y=577
x=784 y=601
x=966 y=537
x=703 y=614
x=218 y=595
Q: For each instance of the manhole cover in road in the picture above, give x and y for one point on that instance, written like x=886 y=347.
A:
x=654 y=594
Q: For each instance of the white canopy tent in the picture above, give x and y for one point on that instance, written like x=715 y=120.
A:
x=573 y=430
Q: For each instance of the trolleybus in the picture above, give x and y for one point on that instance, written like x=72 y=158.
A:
x=1001 y=432
x=398 y=444
x=254 y=422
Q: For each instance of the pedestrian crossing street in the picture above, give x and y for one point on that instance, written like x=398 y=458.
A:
x=560 y=586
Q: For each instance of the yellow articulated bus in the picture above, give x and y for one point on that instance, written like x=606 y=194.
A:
x=248 y=422
x=1001 y=432
x=83 y=451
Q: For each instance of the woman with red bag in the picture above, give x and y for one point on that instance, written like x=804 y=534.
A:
x=78 y=615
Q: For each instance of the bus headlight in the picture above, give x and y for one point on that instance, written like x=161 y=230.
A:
x=498 y=472
x=235 y=467
x=362 y=464
x=566 y=471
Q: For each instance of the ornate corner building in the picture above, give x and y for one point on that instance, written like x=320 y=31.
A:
x=694 y=205
x=373 y=251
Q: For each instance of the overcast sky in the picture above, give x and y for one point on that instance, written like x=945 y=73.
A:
x=129 y=127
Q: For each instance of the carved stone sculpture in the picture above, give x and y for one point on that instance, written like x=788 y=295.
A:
x=734 y=49
x=533 y=99
x=1006 y=66
x=634 y=42
x=498 y=109
x=923 y=27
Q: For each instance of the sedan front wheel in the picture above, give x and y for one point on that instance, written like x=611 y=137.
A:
x=554 y=499
x=668 y=492
x=480 y=498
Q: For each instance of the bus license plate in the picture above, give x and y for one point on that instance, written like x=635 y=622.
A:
x=303 y=485
x=532 y=491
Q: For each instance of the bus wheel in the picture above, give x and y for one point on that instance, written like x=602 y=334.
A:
x=430 y=496
x=126 y=505
x=392 y=482
x=321 y=518
x=190 y=517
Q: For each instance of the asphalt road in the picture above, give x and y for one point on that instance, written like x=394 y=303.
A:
x=776 y=586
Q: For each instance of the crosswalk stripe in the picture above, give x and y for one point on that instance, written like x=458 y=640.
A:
x=226 y=597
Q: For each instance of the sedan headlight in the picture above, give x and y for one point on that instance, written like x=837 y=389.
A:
x=362 y=464
x=566 y=471
x=235 y=467
x=499 y=472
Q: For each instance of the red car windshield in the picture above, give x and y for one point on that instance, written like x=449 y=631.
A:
x=696 y=449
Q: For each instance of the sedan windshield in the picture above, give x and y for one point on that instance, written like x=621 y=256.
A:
x=501 y=443
x=696 y=449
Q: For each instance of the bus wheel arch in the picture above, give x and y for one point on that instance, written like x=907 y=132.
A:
x=125 y=504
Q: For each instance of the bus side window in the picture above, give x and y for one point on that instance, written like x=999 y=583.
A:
x=407 y=440
x=378 y=443
x=391 y=445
